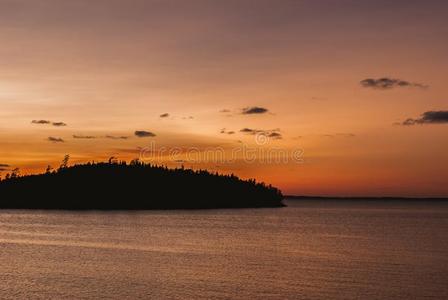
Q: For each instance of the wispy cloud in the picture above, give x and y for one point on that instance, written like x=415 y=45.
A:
x=113 y=137
x=225 y=131
x=47 y=122
x=55 y=140
x=143 y=134
x=59 y=124
x=254 y=110
x=4 y=167
x=386 y=83
x=40 y=122
x=429 y=117
x=87 y=137
x=274 y=133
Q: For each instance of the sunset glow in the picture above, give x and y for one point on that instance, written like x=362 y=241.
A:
x=346 y=83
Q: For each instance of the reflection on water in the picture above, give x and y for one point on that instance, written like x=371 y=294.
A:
x=309 y=250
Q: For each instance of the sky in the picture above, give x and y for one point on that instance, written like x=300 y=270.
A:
x=352 y=95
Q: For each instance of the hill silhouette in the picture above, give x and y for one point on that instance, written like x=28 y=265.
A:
x=119 y=185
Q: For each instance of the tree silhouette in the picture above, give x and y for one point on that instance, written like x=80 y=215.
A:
x=64 y=163
x=118 y=185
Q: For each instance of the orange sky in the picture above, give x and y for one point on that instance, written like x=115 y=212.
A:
x=109 y=68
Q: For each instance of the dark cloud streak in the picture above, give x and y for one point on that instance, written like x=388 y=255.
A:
x=112 y=137
x=47 y=122
x=87 y=137
x=59 y=124
x=274 y=134
x=254 y=110
x=40 y=122
x=55 y=140
x=429 y=117
x=386 y=83
x=144 y=134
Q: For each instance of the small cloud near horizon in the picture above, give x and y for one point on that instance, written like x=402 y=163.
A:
x=387 y=83
x=87 y=137
x=225 y=131
x=274 y=133
x=47 y=122
x=4 y=167
x=59 y=124
x=429 y=117
x=144 y=134
x=55 y=140
x=112 y=137
x=40 y=122
x=346 y=134
x=254 y=110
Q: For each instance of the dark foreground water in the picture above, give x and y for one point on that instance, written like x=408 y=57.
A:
x=309 y=250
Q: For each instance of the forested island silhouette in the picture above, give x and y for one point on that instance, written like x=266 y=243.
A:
x=118 y=185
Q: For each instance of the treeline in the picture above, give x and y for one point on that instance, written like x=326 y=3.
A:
x=118 y=185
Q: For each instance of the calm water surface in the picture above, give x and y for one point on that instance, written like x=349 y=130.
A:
x=309 y=250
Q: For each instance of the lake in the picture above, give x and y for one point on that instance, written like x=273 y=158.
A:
x=308 y=250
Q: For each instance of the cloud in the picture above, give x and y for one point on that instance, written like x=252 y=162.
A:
x=4 y=167
x=389 y=83
x=59 y=124
x=248 y=131
x=255 y=131
x=224 y=131
x=273 y=134
x=55 y=140
x=87 y=137
x=46 y=122
x=429 y=117
x=112 y=137
x=224 y=111
x=143 y=134
x=165 y=115
x=40 y=122
x=254 y=110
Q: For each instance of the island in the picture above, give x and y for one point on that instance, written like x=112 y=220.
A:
x=133 y=186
